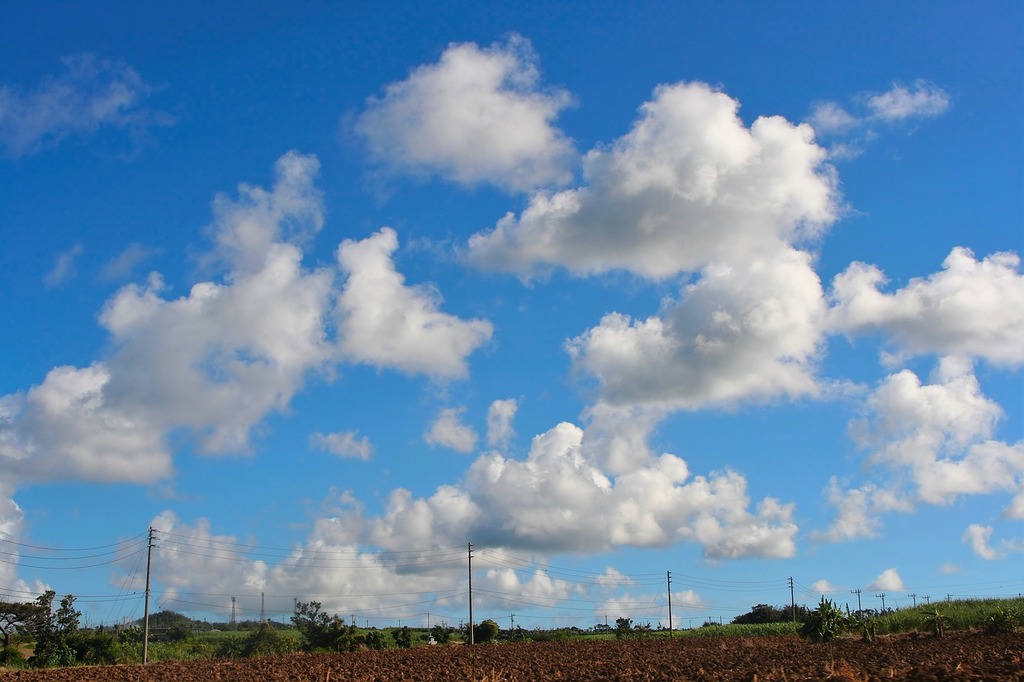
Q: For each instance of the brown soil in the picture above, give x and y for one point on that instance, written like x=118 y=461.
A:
x=959 y=656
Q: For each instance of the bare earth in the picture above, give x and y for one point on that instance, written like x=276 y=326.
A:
x=958 y=656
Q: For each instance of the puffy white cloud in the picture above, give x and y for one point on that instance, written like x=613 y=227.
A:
x=970 y=307
x=938 y=435
x=383 y=322
x=69 y=428
x=449 y=431
x=91 y=94
x=823 y=587
x=218 y=360
x=558 y=499
x=478 y=115
x=499 y=422
x=889 y=579
x=347 y=445
x=688 y=185
x=746 y=330
x=979 y=538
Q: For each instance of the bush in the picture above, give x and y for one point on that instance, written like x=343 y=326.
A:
x=827 y=622
x=1001 y=621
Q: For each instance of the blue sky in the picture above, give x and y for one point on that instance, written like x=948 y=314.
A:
x=324 y=293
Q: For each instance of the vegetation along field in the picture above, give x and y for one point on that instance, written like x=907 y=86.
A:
x=969 y=640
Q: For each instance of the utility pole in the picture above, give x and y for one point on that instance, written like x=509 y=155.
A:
x=792 y=598
x=882 y=597
x=471 y=593
x=913 y=596
x=669 y=576
x=927 y=599
x=145 y=610
x=232 y=610
x=857 y=592
x=263 y=611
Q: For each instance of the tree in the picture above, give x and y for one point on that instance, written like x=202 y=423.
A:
x=402 y=637
x=54 y=631
x=320 y=631
x=623 y=628
x=16 y=617
x=486 y=631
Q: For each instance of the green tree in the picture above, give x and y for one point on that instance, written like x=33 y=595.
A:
x=623 y=628
x=402 y=637
x=15 y=618
x=487 y=631
x=442 y=634
x=321 y=631
x=54 y=631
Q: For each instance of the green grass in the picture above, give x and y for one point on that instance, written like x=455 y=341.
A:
x=745 y=630
x=963 y=614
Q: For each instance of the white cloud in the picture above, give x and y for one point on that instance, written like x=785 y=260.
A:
x=63 y=267
x=499 y=422
x=971 y=307
x=70 y=428
x=937 y=437
x=91 y=94
x=478 y=115
x=849 y=133
x=979 y=538
x=690 y=184
x=889 y=579
x=449 y=431
x=557 y=499
x=347 y=445
x=218 y=360
x=747 y=330
x=900 y=103
x=385 y=323
x=823 y=587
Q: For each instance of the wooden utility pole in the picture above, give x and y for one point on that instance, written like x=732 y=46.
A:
x=145 y=610
x=471 y=593
x=669 y=575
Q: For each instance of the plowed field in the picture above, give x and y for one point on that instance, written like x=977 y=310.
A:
x=961 y=656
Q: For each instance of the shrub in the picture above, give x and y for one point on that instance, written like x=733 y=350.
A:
x=1001 y=621
x=827 y=622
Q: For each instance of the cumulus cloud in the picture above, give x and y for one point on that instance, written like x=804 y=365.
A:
x=979 y=537
x=742 y=331
x=558 y=499
x=220 y=359
x=347 y=444
x=477 y=115
x=216 y=361
x=385 y=323
x=688 y=185
x=889 y=579
x=936 y=438
x=823 y=587
x=89 y=95
x=970 y=307
x=499 y=422
x=449 y=431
